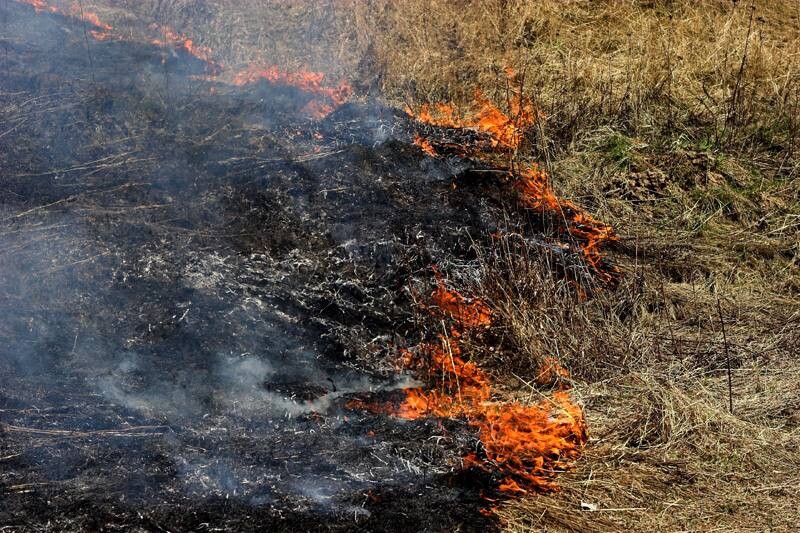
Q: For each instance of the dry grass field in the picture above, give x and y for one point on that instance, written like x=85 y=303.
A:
x=676 y=121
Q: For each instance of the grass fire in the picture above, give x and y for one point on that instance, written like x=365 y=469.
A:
x=399 y=266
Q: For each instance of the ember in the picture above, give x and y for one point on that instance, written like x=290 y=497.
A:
x=529 y=444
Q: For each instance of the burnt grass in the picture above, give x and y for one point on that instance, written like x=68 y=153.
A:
x=195 y=281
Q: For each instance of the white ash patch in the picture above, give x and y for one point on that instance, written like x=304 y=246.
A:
x=207 y=272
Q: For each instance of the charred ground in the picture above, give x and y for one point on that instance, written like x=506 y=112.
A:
x=196 y=278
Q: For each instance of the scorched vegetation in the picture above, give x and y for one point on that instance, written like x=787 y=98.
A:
x=576 y=234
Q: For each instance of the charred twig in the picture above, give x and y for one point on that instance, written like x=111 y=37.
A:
x=299 y=159
x=71 y=198
x=134 y=431
x=5 y=41
x=12 y=129
x=86 y=39
x=446 y=342
x=26 y=487
x=98 y=164
x=12 y=456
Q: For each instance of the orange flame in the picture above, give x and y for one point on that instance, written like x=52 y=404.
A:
x=425 y=145
x=533 y=185
x=75 y=10
x=527 y=444
x=89 y=17
x=40 y=6
x=103 y=31
x=467 y=313
x=506 y=132
x=330 y=97
x=551 y=372
x=171 y=38
x=317 y=109
x=100 y=35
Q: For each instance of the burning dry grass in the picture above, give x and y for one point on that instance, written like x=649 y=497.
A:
x=685 y=140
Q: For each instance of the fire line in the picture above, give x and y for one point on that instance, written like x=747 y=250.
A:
x=527 y=444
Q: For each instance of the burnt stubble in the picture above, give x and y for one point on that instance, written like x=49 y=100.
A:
x=195 y=280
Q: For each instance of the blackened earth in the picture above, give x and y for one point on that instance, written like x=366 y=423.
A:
x=194 y=280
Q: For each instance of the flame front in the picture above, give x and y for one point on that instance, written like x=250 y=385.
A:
x=90 y=17
x=40 y=6
x=506 y=132
x=329 y=97
x=102 y=31
x=326 y=98
x=527 y=444
x=533 y=185
x=170 y=38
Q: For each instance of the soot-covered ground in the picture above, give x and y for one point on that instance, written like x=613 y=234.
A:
x=194 y=279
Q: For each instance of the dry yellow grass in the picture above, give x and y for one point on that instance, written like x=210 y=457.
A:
x=667 y=456
x=648 y=363
x=597 y=56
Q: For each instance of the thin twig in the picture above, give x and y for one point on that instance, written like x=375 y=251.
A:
x=133 y=431
x=727 y=356
x=446 y=342
x=86 y=39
